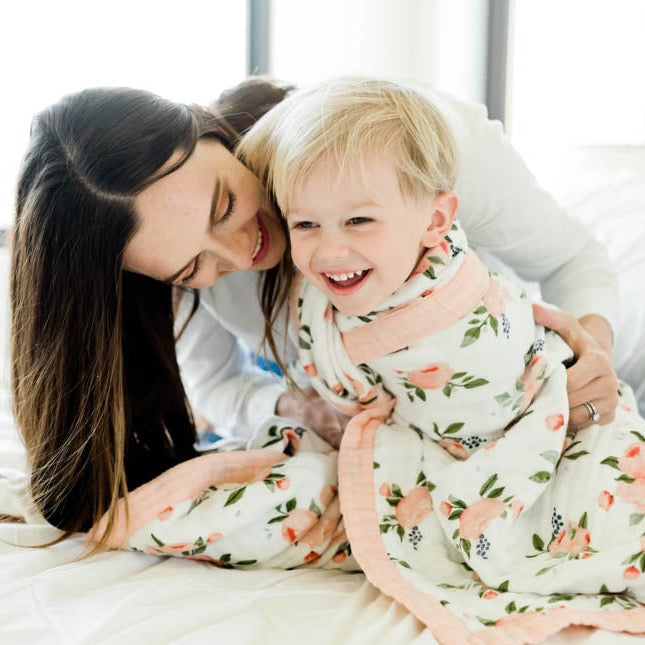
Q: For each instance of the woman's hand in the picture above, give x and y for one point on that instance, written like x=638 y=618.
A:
x=310 y=410
x=591 y=382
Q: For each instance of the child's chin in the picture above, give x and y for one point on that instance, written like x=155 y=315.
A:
x=350 y=309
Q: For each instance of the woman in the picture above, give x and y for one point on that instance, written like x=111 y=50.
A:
x=123 y=195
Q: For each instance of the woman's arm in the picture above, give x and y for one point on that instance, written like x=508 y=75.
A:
x=230 y=392
x=506 y=212
x=220 y=381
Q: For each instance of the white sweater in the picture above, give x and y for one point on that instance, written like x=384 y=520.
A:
x=503 y=211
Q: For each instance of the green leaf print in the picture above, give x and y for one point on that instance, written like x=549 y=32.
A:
x=636 y=518
x=551 y=456
x=538 y=542
x=478 y=382
x=576 y=455
x=487 y=485
x=305 y=340
x=470 y=336
x=235 y=496
x=541 y=477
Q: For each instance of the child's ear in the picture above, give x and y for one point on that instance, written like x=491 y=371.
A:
x=444 y=207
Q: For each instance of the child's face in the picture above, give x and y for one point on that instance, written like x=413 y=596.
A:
x=355 y=235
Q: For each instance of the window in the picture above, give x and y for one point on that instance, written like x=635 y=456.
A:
x=187 y=51
x=575 y=81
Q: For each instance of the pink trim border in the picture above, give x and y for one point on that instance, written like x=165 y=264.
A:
x=425 y=316
x=184 y=481
x=358 y=506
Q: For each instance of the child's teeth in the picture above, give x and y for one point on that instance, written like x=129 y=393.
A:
x=341 y=277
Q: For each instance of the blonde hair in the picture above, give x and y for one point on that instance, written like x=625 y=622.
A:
x=348 y=120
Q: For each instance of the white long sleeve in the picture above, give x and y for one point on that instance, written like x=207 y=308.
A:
x=213 y=353
x=502 y=210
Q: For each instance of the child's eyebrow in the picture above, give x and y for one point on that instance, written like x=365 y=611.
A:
x=363 y=203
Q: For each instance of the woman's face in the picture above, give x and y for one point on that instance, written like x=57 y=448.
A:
x=206 y=219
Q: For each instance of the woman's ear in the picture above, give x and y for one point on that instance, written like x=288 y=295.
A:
x=444 y=207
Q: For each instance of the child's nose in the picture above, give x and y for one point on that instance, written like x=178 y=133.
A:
x=333 y=245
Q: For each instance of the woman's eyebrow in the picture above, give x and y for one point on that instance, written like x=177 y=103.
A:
x=211 y=219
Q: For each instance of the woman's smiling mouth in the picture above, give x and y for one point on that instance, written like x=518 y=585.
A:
x=262 y=244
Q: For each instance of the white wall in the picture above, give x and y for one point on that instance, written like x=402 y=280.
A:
x=442 y=42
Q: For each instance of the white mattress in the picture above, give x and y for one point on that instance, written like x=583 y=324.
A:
x=49 y=596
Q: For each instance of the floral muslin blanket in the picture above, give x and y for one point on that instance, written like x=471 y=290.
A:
x=462 y=495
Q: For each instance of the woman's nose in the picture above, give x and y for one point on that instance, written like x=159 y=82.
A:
x=232 y=252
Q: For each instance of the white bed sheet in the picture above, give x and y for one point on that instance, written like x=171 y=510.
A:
x=49 y=596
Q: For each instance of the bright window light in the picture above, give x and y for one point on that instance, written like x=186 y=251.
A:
x=576 y=77
x=187 y=51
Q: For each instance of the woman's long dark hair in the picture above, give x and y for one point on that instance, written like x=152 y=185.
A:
x=96 y=388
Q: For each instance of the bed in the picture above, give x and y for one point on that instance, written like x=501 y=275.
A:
x=47 y=595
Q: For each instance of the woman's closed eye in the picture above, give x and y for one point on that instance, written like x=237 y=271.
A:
x=229 y=208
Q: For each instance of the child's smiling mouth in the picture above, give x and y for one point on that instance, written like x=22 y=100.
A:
x=341 y=282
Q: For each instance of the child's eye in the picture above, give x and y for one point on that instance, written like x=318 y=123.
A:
x=358 y=220
x=304 y=225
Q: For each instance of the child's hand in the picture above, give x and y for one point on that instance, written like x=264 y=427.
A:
x=310 y=410
x=592 y=379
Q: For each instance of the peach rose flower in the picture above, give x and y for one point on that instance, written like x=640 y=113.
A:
x=433 y=377
x=310 y=370
x=384 y=489
x=454 y=448
x=283 y=484
x=571 y=539
x=297 y=522
x=445 y=508
x=554 y=421
x=475 y=519
x=166 y=514
x=531 y=379
x=633 y=462
x=633 y=493
x=631 y=573
x=605 y=500
x=414 y=507
x=488 y=595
